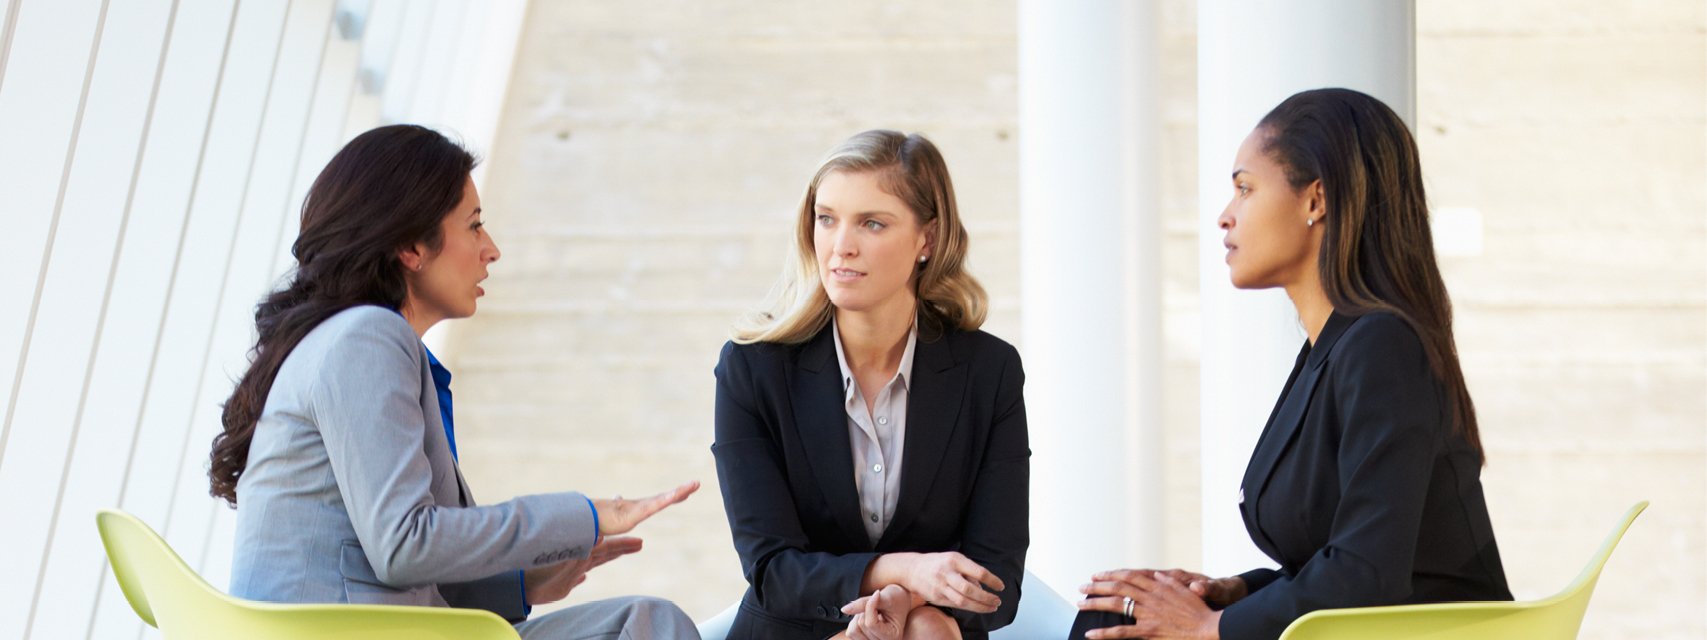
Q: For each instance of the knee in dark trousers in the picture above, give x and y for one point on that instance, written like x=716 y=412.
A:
x=1087 y=620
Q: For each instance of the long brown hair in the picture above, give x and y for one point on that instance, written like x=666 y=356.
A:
x=913 y=170
x=386 y=190
x=1377 y=250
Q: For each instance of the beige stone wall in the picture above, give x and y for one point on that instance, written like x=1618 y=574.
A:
x=651 y=154
x=1579 y=130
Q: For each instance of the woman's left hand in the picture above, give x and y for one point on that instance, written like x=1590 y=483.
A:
x=1162 y=606
x=552 y=583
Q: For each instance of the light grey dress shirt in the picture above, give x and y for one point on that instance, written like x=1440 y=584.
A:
x=875 y=436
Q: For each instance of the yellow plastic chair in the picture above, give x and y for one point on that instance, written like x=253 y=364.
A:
x=167 y=594
x=1557 y=617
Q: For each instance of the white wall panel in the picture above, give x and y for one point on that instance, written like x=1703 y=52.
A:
x=52 y=389
x=125 y=366
x=195 y=289
x=244 y=272
x=39 y=107
x=174 y=182
x=438 y=54
x=127 y=377
x=405 y=67
x=485 y=83
x=322 y=136
x=380 y=32
x=7 y=21
x=462 y=63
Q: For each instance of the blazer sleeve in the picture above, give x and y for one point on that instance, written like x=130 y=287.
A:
x=367 y=405
x=787 y=577
x=1258 y=578
x=1391 y=423
x=997 y=527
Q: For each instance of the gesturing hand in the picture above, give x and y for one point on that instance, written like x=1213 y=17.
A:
x=554 y=582
x=949 y=579
x=619 y=515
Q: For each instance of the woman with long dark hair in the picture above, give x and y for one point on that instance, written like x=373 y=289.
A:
x=1365 y=484
x=338 y=447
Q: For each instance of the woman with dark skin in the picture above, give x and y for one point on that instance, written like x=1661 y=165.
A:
x=1365 y=484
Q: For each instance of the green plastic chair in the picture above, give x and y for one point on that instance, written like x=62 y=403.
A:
x=1557 y=617
x=167 y=594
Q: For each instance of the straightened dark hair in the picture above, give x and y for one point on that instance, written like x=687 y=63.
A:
x=1377 y=250
x=388 y=189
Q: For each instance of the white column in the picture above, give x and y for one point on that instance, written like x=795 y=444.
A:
x=1250 y=56
x=1090 y=284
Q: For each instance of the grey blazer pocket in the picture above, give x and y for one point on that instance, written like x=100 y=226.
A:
x=361 y=586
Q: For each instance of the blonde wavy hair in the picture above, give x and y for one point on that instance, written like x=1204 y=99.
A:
x=912 y=169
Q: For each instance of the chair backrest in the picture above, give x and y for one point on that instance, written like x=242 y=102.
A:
x=154 y=579
x=1572 y=601
x=1559 y=616
x=169 y=595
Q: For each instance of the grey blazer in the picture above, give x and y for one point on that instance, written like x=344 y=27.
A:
x=351 y=493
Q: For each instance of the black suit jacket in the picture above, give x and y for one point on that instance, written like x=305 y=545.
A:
x=1359 y=489
x=786 y=471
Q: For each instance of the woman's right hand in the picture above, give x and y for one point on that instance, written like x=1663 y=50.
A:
x=879 y=616
x=620 y=515
x=1218 y=592
x=949 y=579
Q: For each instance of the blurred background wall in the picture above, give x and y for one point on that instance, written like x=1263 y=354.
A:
x=155 y=154
x=643 y=163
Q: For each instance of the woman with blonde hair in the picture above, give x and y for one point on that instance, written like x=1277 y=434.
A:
x=870 y=440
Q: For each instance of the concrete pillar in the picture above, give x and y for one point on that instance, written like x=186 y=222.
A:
x=1091 y=293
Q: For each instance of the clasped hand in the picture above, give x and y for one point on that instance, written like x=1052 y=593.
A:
x=946 y=579
x=1165 y=604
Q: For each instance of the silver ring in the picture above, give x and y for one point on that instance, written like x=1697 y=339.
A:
x=1128 y=611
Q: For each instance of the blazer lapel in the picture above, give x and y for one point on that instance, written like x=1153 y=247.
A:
x=933 y=410
x=1289 y=413
x=462 y=488
x=821 y=417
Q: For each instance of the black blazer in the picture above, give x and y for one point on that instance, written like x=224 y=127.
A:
x=786 y=471
x=1358 y=488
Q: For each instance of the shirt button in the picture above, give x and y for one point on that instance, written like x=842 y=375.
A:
x=877 y=468
x=874 y=517
x=883 y=420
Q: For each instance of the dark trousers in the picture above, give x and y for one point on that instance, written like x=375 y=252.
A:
x=1088 y=620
